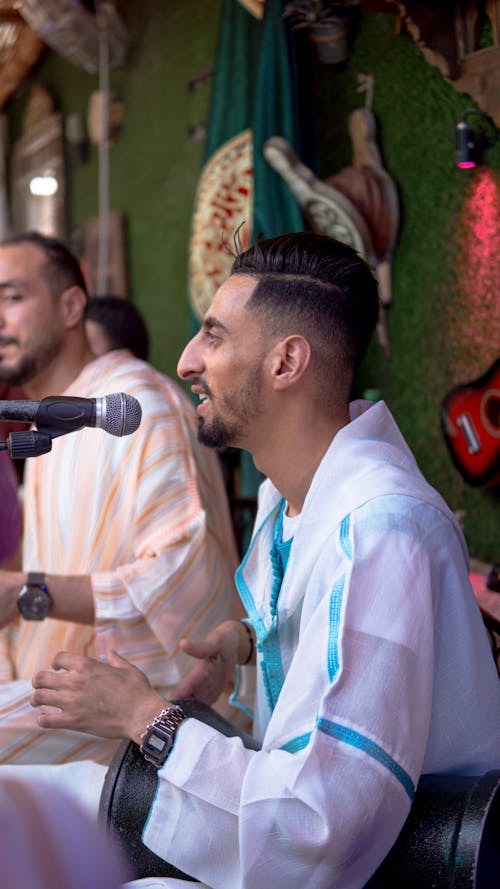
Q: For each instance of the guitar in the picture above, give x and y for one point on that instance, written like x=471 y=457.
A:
x=470 y=420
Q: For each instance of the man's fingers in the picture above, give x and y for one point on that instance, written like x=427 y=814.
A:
x=198 y=649
x=187 y=688
x=50 y=717
x=42 y=697
x=65 y=660
x=199 y=676
x=48 y=679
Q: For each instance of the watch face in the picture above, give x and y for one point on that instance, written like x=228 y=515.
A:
x=34 y=602
x=157 y=745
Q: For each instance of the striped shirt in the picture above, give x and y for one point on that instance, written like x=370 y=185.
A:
x=146 y=516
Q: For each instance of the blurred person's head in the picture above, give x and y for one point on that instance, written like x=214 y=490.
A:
x=113 y=322
x=48 y=842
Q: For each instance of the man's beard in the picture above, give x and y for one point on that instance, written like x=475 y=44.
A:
x=216 y=435
x=31 y=363
x=244 y=405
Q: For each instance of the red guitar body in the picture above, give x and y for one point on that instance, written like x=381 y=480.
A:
x=470 y=419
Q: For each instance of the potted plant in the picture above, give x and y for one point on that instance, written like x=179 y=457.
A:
x=328 y=24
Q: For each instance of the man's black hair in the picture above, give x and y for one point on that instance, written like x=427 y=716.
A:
x=314 y=285
x=61 y=268
x=122 y=322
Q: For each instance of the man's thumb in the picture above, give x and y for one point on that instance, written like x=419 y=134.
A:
x=198 y=649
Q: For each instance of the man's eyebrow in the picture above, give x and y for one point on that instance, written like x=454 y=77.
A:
x=209 y=322
x=12 y=282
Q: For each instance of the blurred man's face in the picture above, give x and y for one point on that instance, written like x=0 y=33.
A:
x=31 y=330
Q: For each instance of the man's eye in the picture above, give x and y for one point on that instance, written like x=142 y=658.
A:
x=11 y=297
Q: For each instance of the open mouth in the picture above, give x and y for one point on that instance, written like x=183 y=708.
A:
x=203 y=401
x=202 y=394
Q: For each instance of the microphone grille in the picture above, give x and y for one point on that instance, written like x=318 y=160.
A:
x=122 y=415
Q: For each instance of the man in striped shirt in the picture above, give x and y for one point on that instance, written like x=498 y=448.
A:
x=130 y=538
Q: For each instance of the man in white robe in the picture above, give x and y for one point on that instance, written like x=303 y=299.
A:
x=371 y=658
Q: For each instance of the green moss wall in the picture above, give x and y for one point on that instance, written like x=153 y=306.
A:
x=432 y=321
x=154 y=170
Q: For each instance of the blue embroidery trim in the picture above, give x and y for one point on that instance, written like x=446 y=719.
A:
x=241 y=584
x=233 y=698
x=271 y=663
x=267 y=685
x=272 y=667
x=277 y=562
x=336 y=605
x=268 y=644
x=296 y=744
x=355 y=739
x=284 y=552
x=344 y=537
x=333 y=635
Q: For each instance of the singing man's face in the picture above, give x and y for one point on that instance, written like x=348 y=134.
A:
x=30 y=330
x=224 y=363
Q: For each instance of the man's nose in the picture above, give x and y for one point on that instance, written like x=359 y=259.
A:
x=191 y=361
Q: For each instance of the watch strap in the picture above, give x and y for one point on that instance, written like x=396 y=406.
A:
x=35 y=578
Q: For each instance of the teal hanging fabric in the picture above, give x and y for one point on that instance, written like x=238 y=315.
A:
x=252 y=99
x=275 y=210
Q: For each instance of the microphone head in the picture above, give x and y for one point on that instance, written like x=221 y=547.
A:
x=119 y=414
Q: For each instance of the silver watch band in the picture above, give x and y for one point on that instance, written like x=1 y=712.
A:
x=159 y=736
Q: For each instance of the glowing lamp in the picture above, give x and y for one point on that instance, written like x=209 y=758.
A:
x=43 y=186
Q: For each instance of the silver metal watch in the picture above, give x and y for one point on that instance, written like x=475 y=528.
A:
x=159 y=736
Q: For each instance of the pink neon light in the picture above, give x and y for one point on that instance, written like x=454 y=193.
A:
x=474 y=305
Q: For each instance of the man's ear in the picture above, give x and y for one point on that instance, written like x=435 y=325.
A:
x=290 y=359
x=73 y=303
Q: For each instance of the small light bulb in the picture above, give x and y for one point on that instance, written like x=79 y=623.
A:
x=44 y=186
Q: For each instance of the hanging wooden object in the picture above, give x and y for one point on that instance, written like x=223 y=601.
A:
x=450 y=35
x=39 y=152
x=358 y=205
x=20 y=49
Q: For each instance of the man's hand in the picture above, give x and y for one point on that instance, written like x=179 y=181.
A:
x=111 y=700
x=218 y=655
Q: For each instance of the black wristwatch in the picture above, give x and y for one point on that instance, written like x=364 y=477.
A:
x=159 y=737
x=34 y=601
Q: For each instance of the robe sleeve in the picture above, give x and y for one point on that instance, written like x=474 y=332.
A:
x=177 y=577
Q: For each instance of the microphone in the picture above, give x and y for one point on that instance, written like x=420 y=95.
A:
x=118 y=414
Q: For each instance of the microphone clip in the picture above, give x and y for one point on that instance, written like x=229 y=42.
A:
x=28 y=444
x=32 y=443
